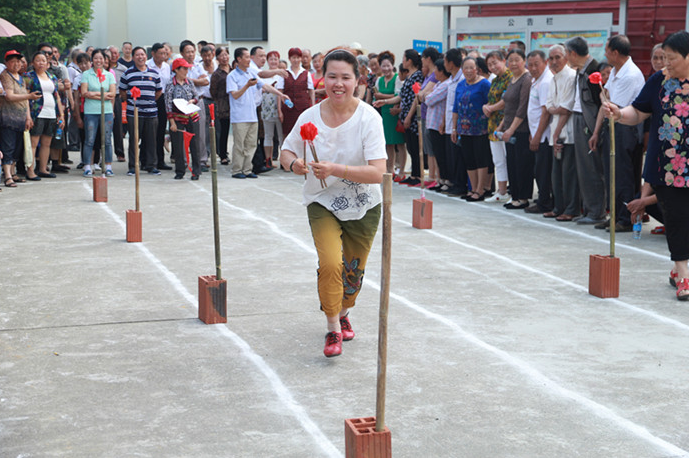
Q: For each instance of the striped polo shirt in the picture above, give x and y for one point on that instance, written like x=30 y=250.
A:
x=148 y=82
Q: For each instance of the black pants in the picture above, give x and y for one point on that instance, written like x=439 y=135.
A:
x=439 y=150
x=674 y=203
x=160 y=132
x=520 y=167
x=626 y=139
x=178 y=151
x=117 y=128
x=147 y=136
x=455 y=165
x=259 y=161
x=543 y=171
x=222 y=133
x=412 y=141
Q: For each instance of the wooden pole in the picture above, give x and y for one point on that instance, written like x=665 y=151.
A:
x=214 y=180
x=419 y=128
x=384 y=302
x=102 y=128
x=136 y=153
x=612 y=187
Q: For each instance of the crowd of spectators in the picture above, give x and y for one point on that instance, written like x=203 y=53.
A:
x=492 y=125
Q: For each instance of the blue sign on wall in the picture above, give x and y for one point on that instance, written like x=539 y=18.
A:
x=420 y=45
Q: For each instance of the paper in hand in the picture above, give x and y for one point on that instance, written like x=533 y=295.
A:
x=185 y=106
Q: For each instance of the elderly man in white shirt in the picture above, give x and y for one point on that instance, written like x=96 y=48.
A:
x=202 y=73
x=243 y=84
x=158 y=62
x=559 y=104
x=624 y=84
x=539 y=128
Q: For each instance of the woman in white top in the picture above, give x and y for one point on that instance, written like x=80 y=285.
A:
x=46 y=113
x=343 y=212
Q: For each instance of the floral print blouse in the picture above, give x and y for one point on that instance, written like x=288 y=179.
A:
x=497 y=89
x=407 y=95
x=667 y=99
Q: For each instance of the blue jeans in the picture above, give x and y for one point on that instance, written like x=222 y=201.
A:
x=91 y=122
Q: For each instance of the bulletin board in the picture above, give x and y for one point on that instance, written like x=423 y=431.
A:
x=486 y=34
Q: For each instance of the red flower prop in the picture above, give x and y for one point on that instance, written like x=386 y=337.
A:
x=187 y=141
x=211 y=110
x=595 y=78
x=308 y=133
x=136 y=92
x=101 y=76
x=416 y=87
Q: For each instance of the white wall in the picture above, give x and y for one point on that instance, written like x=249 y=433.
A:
x=316 y=24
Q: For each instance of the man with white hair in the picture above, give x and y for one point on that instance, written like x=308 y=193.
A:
x=306 y=60
x=559 y=104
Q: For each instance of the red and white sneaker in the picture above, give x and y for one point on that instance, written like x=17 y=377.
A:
x=333 y=344
x=347 y=331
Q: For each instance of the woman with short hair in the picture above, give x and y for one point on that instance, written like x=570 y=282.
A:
x=520 y=160
x=180 y=87
x=470 y=123
x=298 y=86
x=92 y=81
x=272 y=123
x=344 y=212
x=14 y=116
x=663 y=100
x=46 y=112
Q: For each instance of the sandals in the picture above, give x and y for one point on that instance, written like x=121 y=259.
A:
x=9 y=183
x=683 y=285
x=16 y=179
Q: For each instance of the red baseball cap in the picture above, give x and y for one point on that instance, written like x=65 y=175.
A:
x=180 y=62
x=12 y=53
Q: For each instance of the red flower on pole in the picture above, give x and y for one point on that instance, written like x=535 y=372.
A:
x=136 y=92
x=101 y=76
x=595 y=78
x=416 y=87
x=308 y=132
x=211 y=110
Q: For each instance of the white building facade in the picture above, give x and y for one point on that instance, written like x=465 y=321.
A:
x=315 y=24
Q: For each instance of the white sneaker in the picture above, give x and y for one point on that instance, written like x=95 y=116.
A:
x=96 y=167
x=501 y=198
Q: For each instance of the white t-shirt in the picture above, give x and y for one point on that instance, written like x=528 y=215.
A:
x=626 y=84
x=537 y=99
x=561 y=95
x=195 y=72
x=355 y=142
x=48 y=110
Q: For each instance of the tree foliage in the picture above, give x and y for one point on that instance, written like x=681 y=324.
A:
x=62 y=23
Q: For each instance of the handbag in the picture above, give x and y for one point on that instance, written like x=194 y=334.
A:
x=400 y=126
x=28 y=151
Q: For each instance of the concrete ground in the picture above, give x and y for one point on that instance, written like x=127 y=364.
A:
x=496 y=349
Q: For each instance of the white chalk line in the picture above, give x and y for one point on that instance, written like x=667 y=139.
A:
x=663 y=319
x=276 y=383
x=538 y=378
